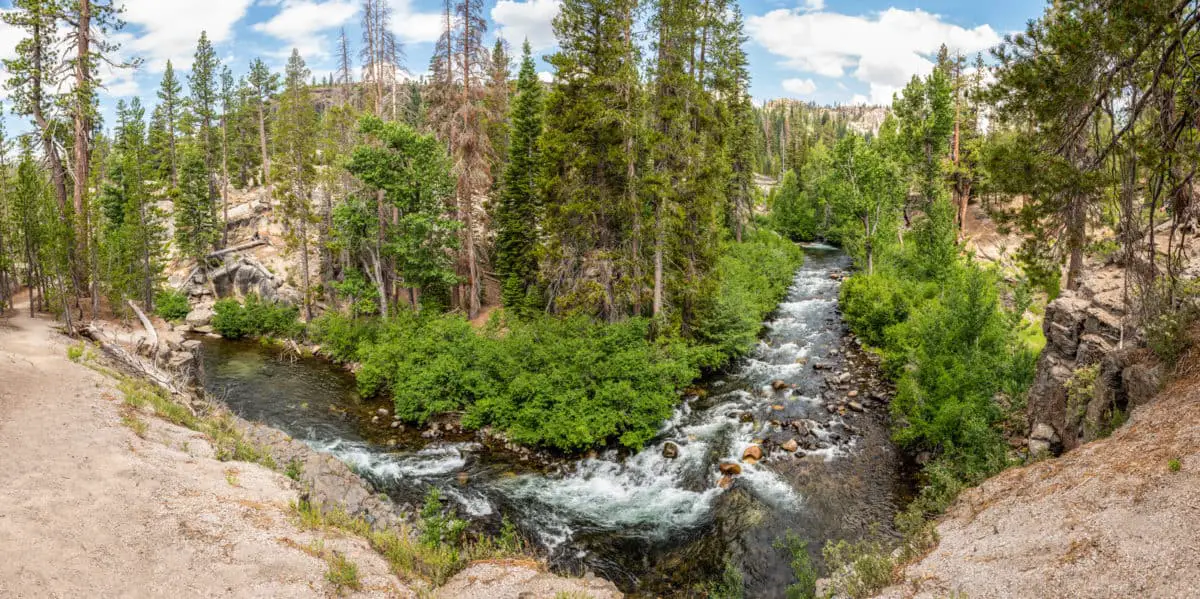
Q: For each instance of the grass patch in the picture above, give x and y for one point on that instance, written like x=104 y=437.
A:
x=1174 y=465
x=227 y=441
x=129 y=417
x=441 y=548
x=342 y=573
x=231 y=477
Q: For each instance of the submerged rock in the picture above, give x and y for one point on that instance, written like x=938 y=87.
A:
x=670 y=450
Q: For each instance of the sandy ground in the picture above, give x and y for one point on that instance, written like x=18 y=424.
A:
x=88 y=509
x=1108 y=519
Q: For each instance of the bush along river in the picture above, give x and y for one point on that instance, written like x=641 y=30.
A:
x=660 y=521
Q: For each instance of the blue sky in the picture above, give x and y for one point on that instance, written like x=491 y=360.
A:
x=828 y=51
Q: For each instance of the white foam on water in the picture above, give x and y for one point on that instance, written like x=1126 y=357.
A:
x=475 y=504
x=434 y=460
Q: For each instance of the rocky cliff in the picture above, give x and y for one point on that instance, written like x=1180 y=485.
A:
x=1090 y=373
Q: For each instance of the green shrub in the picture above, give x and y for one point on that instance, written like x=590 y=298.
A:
x=255 y=318
x=1174 y=465
x=340 y=336
x=172 y=306
x=753 y=279
x=805 y=586
x=859 y=569
x=567 y=383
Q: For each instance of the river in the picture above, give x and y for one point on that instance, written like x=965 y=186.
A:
x=655 y=525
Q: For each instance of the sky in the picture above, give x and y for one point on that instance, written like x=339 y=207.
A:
x=826 y=51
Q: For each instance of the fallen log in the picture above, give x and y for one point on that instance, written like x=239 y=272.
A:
x=150 y=332
x=237 y=248
x=175 y=384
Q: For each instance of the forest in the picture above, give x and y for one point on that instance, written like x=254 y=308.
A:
x=611 y=210
x=613 y=216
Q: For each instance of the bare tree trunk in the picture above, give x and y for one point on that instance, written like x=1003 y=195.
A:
x=81 y=108
x=262 y=144
x=225 y=179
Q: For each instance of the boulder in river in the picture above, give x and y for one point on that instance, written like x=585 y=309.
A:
x=790 y=446
x=725 y=481
x=730 y=469
x=852 y=393
x=753 y=452
x=670 y=450
x=854 y=405
x=779 y=385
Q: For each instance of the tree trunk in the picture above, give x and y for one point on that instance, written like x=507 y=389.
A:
x=225 y=180
x=262 y=145
x=82 y=106
x=304 y=264
x=658 y=258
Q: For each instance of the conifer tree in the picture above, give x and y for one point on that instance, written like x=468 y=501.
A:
x=195 y=221
x=517 y=213
x=589 y=192
x=205 y=95
x=263 y=83
x=169 y=91
x=295 y=164
x=34 y=79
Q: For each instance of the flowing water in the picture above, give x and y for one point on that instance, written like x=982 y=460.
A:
x=655 y=525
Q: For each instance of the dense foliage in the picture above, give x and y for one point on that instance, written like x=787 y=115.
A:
x=255 y=318
x=569 y=383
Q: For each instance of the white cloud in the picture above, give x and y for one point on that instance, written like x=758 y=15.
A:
x=413 y=26
x=530 y=19
x=169 y=29
x=814 y=4
x=301 y=24
x=883 y=50
x=9 y=36
x=546 y=76
x=799 y=87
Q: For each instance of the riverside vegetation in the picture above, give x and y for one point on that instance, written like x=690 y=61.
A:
x=619 y=221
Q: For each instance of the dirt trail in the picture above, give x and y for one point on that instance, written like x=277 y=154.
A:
x=1118 y=517
x=89 y=509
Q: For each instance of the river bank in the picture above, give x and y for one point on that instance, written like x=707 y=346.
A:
x=109 y=497
x=660 y=521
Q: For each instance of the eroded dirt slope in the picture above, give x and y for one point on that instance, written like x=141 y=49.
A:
x=1111 y=518
x=89 y=509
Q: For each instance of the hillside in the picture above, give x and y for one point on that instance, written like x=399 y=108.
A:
x=1112 y=518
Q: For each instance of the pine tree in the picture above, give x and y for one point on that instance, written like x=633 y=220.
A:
x=517 y=215
x=590 y=127
x=32 y=84
x=263 y=83
x=169 y=91
x=205 y=95
x=228 y=102
x=295 y=162
x=195 y=222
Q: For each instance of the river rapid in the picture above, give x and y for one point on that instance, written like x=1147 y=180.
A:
x=655 y=525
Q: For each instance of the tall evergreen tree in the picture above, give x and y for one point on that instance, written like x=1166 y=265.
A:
x=517 y=215
x=169 y=91
x=589 y=192
x=264 y=84
x=295 y=164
